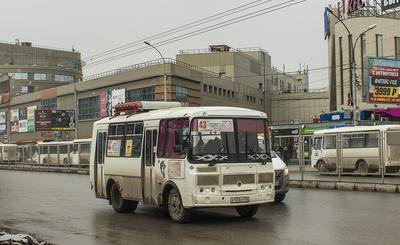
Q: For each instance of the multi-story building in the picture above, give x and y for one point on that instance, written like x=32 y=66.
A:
x=374 y=32
x=91 y=97
x=31 y=68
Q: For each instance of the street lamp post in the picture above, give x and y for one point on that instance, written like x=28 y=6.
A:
x=353 y=65
x=165 y=70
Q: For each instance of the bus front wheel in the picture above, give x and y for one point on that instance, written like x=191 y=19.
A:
x=322 y=167
x=362 y=168
x=119 y=204
x=176 y=210
x=247 y=211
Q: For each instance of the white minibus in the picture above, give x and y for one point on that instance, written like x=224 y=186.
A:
x=360 y=148
x=54 y=153
x=81 y=152
x=8 y=152
x=182 y=158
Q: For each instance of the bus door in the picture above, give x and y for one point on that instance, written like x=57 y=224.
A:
x=98 y=170
x=149 y=185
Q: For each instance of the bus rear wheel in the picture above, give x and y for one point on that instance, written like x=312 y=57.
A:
x=247 y=211
x=119 y=204
x=176 y=210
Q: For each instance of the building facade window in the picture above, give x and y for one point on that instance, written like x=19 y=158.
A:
x=49 y=104
x=27 y=89
x=379 y=45
x=40 y=76
x=397 y=48
x=89 y=108
x=204 y=88
x=146 y=94
x=341 y=69
x=63 y=78
x=19 y=75
x=363 y=42
x=181 y=93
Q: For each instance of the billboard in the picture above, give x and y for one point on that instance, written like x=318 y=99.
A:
x=118 y=96
x=383 y=80
x=3 y=117
x=30 y=114
x=105 y=104
x=54 y=120
x=390 y=4
x=14 y=115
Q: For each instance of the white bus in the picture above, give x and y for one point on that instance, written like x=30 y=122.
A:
x=54 y=153
x=81 y=152
x=360 y=148
x=183 y=158
x=8 y=152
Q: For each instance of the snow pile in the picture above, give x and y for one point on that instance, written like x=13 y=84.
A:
x=17 y=239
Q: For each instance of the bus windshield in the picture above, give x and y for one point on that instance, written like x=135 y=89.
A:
x=229 y=140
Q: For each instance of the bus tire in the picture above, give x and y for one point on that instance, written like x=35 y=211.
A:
x=362 y=167
x=119 y=204
x=322 y=167
x=247 y=211
x=279 y=197
x=176 y=210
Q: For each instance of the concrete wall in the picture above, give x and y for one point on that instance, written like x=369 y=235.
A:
x=301 y=107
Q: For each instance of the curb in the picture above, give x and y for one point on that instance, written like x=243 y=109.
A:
x=348 y=186
x=48 y=170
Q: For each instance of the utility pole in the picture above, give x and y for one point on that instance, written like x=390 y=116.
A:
x=165 y=69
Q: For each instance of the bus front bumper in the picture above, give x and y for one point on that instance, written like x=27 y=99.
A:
x=233 y=200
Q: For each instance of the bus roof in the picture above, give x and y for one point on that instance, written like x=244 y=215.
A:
x=179 y=112
x=358 y=129
x=1 y=144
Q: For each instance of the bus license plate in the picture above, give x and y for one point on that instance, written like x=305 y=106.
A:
x=240 y=199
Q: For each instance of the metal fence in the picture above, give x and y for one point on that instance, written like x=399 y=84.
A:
x=365 y=157
x=67 y=155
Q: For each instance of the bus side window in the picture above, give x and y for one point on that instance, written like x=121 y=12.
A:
x=317 y=143
x=100 y=147
x=329 y=142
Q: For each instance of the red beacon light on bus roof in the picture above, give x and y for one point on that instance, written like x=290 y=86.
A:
x=130 y=108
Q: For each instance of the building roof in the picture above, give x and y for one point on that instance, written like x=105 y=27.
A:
x=179 y=112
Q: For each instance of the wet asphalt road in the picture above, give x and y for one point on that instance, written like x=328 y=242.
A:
x=61 y=208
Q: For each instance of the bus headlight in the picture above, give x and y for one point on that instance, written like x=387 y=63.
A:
x=286 y=171
x=266 y=187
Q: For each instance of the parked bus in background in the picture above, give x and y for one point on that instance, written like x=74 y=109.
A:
x=81 y=153
x=360 y=148
x=54 y=153
x=182 y=158
x=8 y=152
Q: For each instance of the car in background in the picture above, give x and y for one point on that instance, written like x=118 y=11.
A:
x=281 y=177
x=281 y=173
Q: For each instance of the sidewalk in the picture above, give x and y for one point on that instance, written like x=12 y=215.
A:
x=312 y=179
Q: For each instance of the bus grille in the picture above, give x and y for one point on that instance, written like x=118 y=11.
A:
x=207 y=180
x=242 y=178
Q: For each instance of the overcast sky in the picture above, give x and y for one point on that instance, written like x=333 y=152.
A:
x=292 y=35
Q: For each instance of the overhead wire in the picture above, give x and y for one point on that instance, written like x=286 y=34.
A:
x=181 y=28
x=254 y=14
